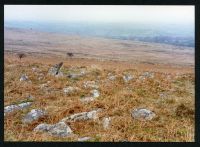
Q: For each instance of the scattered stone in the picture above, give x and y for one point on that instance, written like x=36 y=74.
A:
x=87 y=99
x=45 y=85
x=163 y=95
x=127 y=77
x=146 y=75
x=83 y=116
x=84 y=139
x=106 y=122
x=112 y=78
x=12 y=108
x=23 y=77
x=33 y=115
x=95 y=93
x=69 y=90
x=60 y=129
x=40 y=76
x=74 y=75
x=143 y=114
x=55 y=69
x=90 y=84
x=142 y=78
x=29 y=97
x=60 y=74
x=35 y=69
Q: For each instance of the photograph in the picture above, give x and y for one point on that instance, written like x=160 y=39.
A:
x=99 y=73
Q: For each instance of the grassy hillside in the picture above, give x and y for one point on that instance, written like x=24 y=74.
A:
x=169 y=93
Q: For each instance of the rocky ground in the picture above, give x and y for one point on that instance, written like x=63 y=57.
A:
x=89 y=101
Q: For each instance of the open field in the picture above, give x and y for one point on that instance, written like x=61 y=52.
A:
x=54 y=44
x=125 y=75
x=169 y=93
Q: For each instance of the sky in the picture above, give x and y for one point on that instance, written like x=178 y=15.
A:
x=101 y=13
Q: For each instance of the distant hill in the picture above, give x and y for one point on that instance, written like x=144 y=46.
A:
x=57 y=44
x=159 y=33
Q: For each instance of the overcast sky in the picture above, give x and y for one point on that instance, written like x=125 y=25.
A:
x=102 y=13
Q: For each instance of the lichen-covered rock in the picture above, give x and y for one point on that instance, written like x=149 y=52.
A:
x=143 y=114
x=83 y=116
x=90 y=84
x=69 y=89
x=60 y=129
x=12 y=108
x=106 y=122
x=55 y=69
x=84 y=139
x=33 y=115
x=23 y=77
x=127 y=77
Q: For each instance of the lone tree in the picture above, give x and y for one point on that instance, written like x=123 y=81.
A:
x=21 y=55
x=70 y=54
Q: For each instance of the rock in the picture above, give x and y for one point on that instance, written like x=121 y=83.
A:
x=30 y=97
x=111 y=77
x=45 y=85
x=148 y=75
x=60 y=129
x=127 y=77
x=95 y=93
x=143 y=114
x=74 y=75
x=106 y=122
x=55 y=69
x=23 y=77
x=69 y=89
x=90 y=84
x=36 y=70
x=33 y=115
x=87 y=99
x=12 y=108
x=84 y=139
x=163 y=95
x=83 y=116
x=60 y=74
x=142 y=78
x=40 y=76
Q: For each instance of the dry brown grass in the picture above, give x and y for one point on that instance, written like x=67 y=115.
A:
x=175 y=111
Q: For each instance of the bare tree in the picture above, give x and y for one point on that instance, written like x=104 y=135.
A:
x=21 y=55
x=70 y=54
